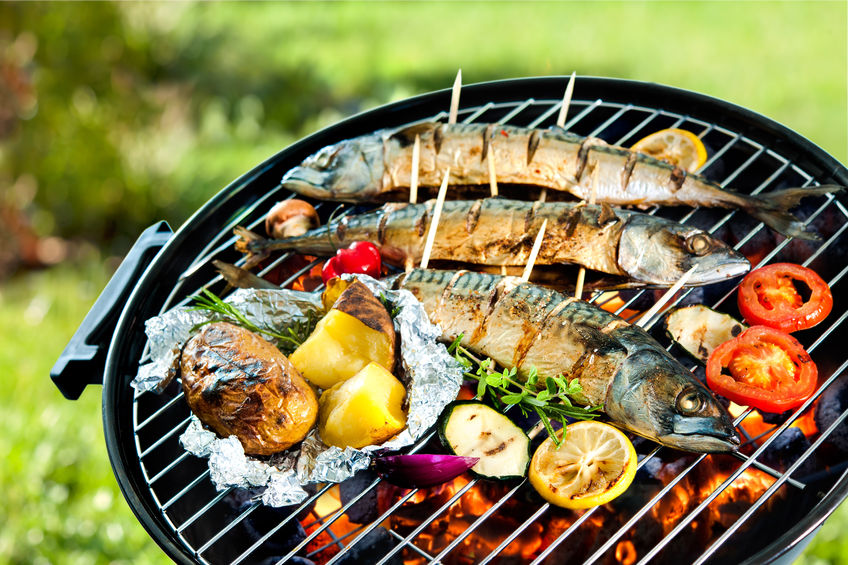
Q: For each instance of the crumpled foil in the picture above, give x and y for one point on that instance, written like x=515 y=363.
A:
x=432 y=378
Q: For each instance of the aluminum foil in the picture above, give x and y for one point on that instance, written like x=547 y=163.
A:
x=431 y=376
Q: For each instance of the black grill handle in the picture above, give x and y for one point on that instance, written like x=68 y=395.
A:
x=83 y=361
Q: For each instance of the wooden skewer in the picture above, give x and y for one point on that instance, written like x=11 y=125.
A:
x=534 y=251
x=566 y=101
x=493 y=179
x=581 y=274
x=454 y=105
x=437 y=213
x=646 y=317
x=413 y=175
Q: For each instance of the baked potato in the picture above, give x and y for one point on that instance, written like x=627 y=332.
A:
x=238 y=384
x=355 y=332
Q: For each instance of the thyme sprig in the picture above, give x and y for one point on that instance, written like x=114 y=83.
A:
x=290 y=339
x=552 y=402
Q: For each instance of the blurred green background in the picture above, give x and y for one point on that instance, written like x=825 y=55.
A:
x=113 y=116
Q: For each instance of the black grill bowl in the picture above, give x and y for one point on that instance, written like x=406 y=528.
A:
x=167 y=489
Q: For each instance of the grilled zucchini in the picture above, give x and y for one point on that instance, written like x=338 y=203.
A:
x=699 y=329
x=473 y=429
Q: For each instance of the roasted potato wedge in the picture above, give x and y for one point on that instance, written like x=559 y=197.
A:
x=356 y=331
x=238 y=384
x=366 y=409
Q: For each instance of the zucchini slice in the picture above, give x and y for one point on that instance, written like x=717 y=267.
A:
x=473 y=429
x=699 y=329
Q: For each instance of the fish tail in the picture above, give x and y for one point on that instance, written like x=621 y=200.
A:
x=253 y=245
x=773 y=208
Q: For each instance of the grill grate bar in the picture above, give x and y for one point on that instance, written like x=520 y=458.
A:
x=425 y=523
x=542 y=509
x=771 y=490
x=282 y=523
x=353 y=501
x=185 y=489
x=589 y=108
x=328 y=520
x=517 y=110
x=159 y=412
x=414 y=547
x=609 y=121
x=228 y=527
x=620 y=141
x=482 y=518
x=684 y=522
x=204 y=509
x=336 y=541
x=170 y=466
x=164 y=438
x=385 y=515
x=766 y=469
x=478 y=112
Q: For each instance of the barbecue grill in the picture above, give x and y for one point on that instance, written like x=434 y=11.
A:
x=680 y=508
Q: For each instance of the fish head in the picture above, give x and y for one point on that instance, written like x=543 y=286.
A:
x=656 y=397
x=659 y=252
x=348 y=171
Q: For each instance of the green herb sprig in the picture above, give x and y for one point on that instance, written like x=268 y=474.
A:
x=290 y=339
x=553 y=402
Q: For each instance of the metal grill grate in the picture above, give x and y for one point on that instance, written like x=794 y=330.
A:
x=211 y=525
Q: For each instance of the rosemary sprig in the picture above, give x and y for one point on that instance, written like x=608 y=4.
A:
x=553 y=402
x=291 y=338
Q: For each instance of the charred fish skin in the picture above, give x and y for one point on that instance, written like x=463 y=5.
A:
x=372 y=166
x=642 y=387
x=501 y=232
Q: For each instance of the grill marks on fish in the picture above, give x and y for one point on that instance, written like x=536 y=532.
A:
x=521 y=325
x=378 y=167
x=501 y=232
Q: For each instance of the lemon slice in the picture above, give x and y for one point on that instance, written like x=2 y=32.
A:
x=679 y=147
x=595 y=464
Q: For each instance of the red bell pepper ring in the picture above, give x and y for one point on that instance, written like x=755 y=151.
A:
x=768 y=296
x=361 y=257
x=763 y=368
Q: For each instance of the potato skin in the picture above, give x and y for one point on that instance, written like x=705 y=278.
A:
x=358 y=301
x=238 y=384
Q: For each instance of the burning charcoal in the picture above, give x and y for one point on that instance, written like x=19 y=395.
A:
x=832 y=403
x=775 y=419
x=296 y=560
x=786 y=449
x=363 y=510
x=262 y=519
x=370 y=549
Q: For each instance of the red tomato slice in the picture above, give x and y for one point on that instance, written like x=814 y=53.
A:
x=763 y=368
x=768 y=296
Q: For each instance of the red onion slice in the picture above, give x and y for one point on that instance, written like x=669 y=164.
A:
x=422 y=470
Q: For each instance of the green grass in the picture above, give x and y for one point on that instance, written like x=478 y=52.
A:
x=61 y=503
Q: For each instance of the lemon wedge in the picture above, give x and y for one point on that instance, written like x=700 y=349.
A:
x=679 y=147
x=594 y=464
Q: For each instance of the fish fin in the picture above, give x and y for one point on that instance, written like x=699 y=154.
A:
x=772 y=209
x=241 y=278
x=247 y=242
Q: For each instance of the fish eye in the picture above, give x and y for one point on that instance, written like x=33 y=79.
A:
x=699 y=244
x=690 y=401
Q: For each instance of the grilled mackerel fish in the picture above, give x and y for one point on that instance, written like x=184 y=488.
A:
x=377 y=167
x=521 y=325
x=495 y=231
